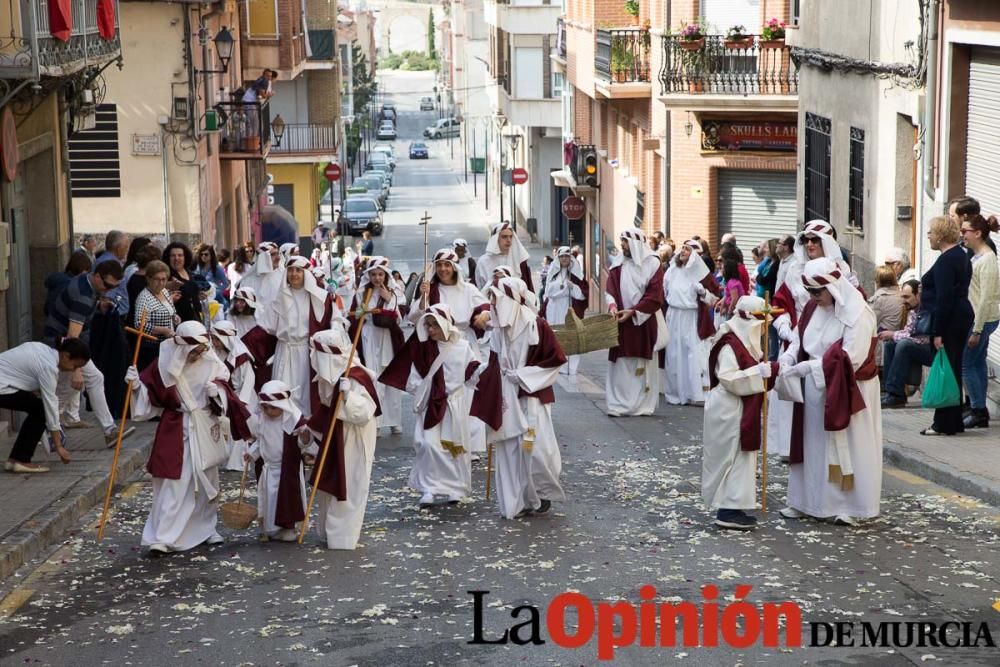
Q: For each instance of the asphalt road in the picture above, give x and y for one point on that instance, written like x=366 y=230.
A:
x=633 y=518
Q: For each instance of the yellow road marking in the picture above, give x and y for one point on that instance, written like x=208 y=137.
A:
x=904 y=476
x=10 y=604
x=996 y=605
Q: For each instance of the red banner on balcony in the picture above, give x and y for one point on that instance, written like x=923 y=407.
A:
x=61 y=19
x=739 y=135
x=106 y=19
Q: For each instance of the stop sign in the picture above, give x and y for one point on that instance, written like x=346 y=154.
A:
x=332 y=172
x=519 y=176
x=573 y=208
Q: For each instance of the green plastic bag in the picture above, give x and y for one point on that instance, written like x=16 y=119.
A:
x=941 y=388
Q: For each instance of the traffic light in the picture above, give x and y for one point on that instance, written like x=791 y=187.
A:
x=587 y=166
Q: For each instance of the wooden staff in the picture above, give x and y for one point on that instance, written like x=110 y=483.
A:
x=425 y=221
x=318 y=468
x=489 y=468
x=767 y=312
x=139 y=335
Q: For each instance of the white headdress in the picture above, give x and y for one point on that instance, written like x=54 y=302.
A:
x=459 y=242
x=574 y=267
x=382 y=264
x=745 y=325
x=262 y=260
x=513 y=307
x=317 y=293
x=825 y=272
x=824 y=230
x=517 y=253
x=328 y=352
x=227 y=334
x=277 y=394
x=441 y=314
x=173 y=358
x=289 y=250
x=638 y=269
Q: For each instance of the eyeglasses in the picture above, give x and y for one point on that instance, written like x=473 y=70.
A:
x=815 y=291
x=966 y=230
x=811 y=239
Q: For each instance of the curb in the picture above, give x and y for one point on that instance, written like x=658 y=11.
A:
x=51 y=524
x=966 y=483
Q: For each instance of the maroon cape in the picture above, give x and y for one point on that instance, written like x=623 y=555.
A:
x=636 y=340
x=334 y=477
x=487 y=403
x=420 y=356
x=167 y=456
x=261 y=345
x=706 y=316
x=289 y=510
x=382 y=317
x=579 y=306
x=843 y=397
x=750 y=420
x=434 y=297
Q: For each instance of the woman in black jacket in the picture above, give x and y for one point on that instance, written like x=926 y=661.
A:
x=183 y=285
x=944 y=292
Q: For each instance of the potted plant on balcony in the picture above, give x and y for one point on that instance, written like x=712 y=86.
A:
x=772 y=36
x=691 y=36
x=737 y=38
x=632 y=9
x=622 y=62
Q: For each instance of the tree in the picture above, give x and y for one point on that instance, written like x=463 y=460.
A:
x=364 y=82
x=431 y=51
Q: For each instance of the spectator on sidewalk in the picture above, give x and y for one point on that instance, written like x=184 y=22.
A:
x=887 y=303
x=984 y=294
x=367 y=244
x=70 y=317
x=88 y=244
x=897 y=260
x=207 y=267
x=26 y=371
x=132 y=257
x=78 y=263
x=108 y=343
x=904 y=352
x=188 y=300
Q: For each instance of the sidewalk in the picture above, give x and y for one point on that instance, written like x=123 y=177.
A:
x=39 y=509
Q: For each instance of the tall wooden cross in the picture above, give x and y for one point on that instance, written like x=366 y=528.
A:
x=426 y=222
x=768 y=312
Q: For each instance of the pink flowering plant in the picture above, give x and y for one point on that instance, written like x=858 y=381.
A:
x=773 y=29
x=691 y=32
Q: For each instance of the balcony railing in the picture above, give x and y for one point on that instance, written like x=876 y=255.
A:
x=719 y=66
x=561 y=38
x=306 y=138
x=322 y=43
x=36 y=52
x=245 y=130
x=622 y=56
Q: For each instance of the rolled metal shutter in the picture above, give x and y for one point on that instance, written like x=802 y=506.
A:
x=982 y=171
x=756 y=206
x=720 y=15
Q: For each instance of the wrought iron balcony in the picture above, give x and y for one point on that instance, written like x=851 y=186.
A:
x=622 y=56
x=714 y=65
x=306 y=139
x=244 y=130
x=31 y=49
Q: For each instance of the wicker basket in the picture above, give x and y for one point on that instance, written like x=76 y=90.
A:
x=597 y=332
x=237 y=516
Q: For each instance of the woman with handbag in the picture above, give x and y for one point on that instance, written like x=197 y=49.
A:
x=945 y=294
x=186 y=386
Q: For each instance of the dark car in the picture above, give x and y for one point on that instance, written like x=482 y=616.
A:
x=418 y=151
x=375 y=185
x=360 y=214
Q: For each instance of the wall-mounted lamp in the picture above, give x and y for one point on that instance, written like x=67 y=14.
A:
x=224 y=44
x=278 y=130
x=688 y=126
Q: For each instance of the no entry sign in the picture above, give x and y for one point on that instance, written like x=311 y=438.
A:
x=573 y=208
x=332 y=172
x=519 y=176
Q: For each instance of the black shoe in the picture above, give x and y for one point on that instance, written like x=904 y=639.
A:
x=977 y=418
x=967 y=407
x=893 y=401
x=735 y=520
x=544 y=507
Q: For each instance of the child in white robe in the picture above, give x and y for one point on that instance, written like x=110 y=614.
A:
x=239 y=362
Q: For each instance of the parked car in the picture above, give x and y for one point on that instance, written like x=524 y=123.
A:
x=386 y=150
x=418 y=151
x=387 y=130
x=386 y=184
x=374 y=184
x=427 y=104
x=446 y=127
x=360 y=214
x=380 y=168
x=379 y=160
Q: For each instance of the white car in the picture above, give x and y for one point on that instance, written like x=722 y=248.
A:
x=427 y=104
x=446 y=127
x=386 y=131
x=387 y=152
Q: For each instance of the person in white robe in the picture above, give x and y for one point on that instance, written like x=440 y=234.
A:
x=729 y=446
x=377 y=336
x=281 y=435
x=466 y=263
x=817 y=239
x=179 y=387
x=289 y=250
x=687 y=287
x=469 y=308
x=516 y=393
x=503 y=249
x=266 y=280
x=437 y=366
x=836 y=448
x=301 y=309
x=563 y=292
x=634 y=295
x=230 y=349
x=343 y=498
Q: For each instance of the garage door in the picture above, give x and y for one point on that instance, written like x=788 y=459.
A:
x=756 y=206
x=982 y=171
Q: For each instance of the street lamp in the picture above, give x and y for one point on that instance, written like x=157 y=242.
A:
x=278 y=129
x=514 y=140
x=224 y=45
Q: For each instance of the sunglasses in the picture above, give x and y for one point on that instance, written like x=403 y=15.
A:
x=811 y=239
x=815 y=291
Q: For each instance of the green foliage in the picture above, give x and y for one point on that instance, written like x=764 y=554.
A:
x=413 y=61
x=431 y=51
x=632 y=7
x=364 y=81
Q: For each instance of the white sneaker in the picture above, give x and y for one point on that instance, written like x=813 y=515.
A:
x=792 y=513
x=844 y=520
x=426 y=500
x=159 y=548
x=215 y=539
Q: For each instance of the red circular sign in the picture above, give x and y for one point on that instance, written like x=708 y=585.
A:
x=519 y=176
x=332 y=172
x=573 y=208
x=8 y=137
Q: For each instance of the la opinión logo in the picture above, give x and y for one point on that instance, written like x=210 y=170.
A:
x=708 y=624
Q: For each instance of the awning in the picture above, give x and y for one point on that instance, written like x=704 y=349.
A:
x=562 y=178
